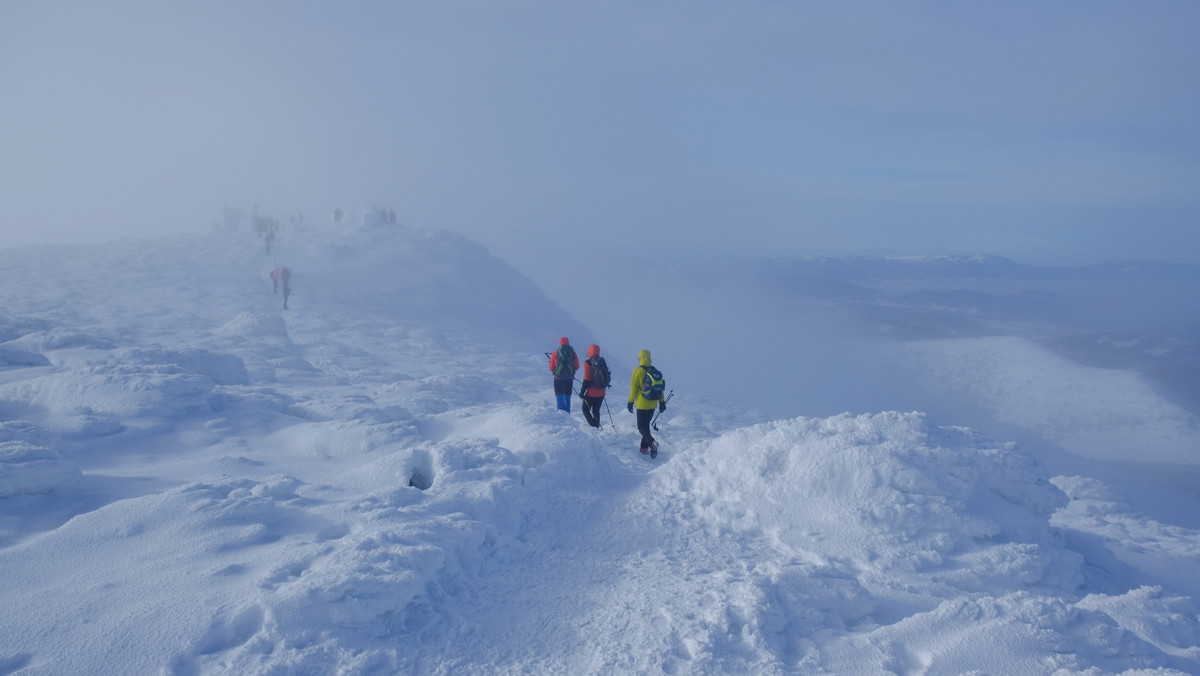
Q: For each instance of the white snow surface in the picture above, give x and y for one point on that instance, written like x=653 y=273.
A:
x=375 y=481
x=1100 y=413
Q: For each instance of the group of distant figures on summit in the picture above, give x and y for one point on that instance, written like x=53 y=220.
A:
x=375 y=215
x=266 y=227
x=646 y=387
x=280 y=276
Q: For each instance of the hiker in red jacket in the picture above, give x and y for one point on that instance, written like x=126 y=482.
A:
x=596 y=378
x=285 y=276
x=563 y=364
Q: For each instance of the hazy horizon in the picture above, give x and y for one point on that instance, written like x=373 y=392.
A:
x=1046 y=134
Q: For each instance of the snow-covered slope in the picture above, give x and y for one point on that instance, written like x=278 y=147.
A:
x=193 y=480
x=1108 y=414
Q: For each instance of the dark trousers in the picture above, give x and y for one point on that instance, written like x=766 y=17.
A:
x=643 y=423
x=591 y=410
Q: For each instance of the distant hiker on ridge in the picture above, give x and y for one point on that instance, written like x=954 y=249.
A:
x=285 y=276
x=645 y=393
x=596 y=378
x=563 y=364
x=275 y=279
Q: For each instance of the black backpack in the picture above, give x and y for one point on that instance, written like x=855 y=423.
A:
x=566 y=357
x=601 y=376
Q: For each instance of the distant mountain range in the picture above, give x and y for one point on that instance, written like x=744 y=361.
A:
x=969 y=267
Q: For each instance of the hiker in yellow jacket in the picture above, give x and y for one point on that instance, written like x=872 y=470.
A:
x=645 y=407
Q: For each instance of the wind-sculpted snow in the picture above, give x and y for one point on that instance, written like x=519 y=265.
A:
x=13 y=357
x=261 y=326
x=59 y=339
x=376 y=481
x=898 y=494
x=899 y=546
x=26 y=468
x=93 y=385
x=1135 y=548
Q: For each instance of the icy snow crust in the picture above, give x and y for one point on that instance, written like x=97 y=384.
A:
x=193 y=480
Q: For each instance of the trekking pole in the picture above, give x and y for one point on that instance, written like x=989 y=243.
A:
x=654 y=423
x=610 y=418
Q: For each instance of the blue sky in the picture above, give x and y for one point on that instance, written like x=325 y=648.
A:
x=1048 y=132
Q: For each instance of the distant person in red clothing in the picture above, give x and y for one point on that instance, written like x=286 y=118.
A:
x=285 y=276
x=596 y=378
x=563 y=364
x=275 y=280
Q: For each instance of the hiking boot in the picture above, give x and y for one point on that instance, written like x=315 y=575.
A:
x=654 y=450
x=643 y=450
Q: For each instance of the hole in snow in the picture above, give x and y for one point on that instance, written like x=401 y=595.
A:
x=419 y=480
